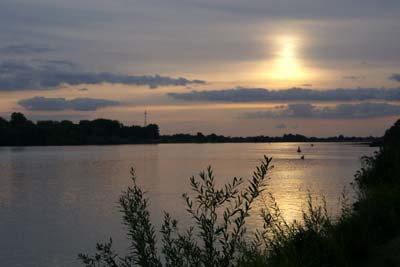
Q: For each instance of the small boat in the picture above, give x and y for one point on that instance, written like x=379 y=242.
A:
x=302 y=157
x=298 y=149
x=312 y=144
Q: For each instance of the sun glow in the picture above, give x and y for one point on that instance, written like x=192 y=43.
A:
x=287 y=64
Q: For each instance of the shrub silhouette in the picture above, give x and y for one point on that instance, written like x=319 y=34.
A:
x=219 y=240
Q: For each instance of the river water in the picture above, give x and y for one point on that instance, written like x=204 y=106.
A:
x=56 y=202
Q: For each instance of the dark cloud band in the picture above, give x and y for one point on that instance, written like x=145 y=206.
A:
x=58 y=104
x=42 y=75
x=395 y=77
x=25 y=49
x=341 y=111
x=293 y=94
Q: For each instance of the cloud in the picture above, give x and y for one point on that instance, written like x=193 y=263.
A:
x=341 y=111
x=309 y=9
x=292 y=94
x=281 y=126
x=48 y=74
x=395 y=77
x=25 y=49
x=40 y=103
x=353 y=77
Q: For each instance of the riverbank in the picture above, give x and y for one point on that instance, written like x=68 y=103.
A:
x=366 y=234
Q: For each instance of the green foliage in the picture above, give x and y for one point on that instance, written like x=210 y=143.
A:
x=222 y=239
x=212 y=242
x=103 y=257
x=134 y=207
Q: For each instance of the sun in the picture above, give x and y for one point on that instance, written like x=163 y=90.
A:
x=286 y=63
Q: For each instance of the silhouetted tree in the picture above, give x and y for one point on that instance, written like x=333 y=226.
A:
x=21 y=131
x=17 y=119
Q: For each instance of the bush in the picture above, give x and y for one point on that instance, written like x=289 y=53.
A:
x=218 y=241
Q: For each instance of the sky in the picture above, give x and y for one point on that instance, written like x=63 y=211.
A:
x=232 y=67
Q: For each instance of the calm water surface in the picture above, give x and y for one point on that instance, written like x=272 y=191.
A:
x=58 y=201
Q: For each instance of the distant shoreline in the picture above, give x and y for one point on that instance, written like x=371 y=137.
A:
x=19 y=131
x=371 y=144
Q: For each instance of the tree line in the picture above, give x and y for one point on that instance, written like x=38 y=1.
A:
x=19 y=131
x=214 y=138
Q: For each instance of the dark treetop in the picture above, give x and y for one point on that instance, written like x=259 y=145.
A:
x=20 y=132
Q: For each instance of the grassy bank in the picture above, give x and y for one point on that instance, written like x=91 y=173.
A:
x=364 y=229
x=366 y=232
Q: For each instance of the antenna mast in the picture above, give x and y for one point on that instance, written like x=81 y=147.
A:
x=145 y=118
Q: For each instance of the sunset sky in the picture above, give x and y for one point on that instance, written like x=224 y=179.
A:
x=233 y=67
